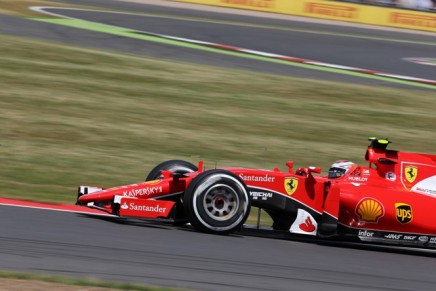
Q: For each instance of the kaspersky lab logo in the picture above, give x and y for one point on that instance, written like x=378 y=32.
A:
x=403 y=212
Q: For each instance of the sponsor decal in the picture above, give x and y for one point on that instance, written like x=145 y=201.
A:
x=366 y=172
x=410 y=173
x=304 y=223
x=403 y=212
x=394 y=236
x=413 y=19
x=152 y=182
x=265 y=178
x=291 y=185
x=391 y=176
x=426 y=186
x=410 y=237
x=430 y=192
x=146 y=208
x=369 y=210
x=426 y=191
x=251 y=3
x=261 y=195
x=143 y=191
x=365 y=233
x=143 y=207
x=307 y=225
x=423 y=238
x=340 y=11
x=358 y=179
x=432 y=240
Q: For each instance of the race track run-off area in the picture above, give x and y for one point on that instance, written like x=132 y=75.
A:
x=185 y=34
x=73 y=241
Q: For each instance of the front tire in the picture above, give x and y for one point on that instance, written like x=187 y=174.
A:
x=217 y=201
x=175 y=166
x=179 y=167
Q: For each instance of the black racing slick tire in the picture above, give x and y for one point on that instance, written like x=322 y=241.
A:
x=217 y=201
x=175 y=166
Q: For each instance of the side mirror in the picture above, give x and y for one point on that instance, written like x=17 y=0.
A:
x=316 y=170
x=307 y=172
x=290 y=165
x=386 y=161
x=200 y=166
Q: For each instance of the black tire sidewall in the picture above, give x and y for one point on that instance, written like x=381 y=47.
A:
x=195 y=194
x=178 y=166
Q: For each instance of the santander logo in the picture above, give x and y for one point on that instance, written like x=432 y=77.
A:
x=307 y=225
x=304 y=223
x=146 y=208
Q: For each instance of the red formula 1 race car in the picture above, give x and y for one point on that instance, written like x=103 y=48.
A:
x=390 y=200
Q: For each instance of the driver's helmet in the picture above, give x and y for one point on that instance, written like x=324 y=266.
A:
x=339 y=168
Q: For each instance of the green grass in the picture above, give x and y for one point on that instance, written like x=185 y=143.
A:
x=71 y=116
x=79 y=282
x=21 y=7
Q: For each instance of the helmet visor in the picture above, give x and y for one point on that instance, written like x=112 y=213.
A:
x=336 y=172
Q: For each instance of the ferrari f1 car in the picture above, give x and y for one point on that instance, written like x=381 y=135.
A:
x=390 y=200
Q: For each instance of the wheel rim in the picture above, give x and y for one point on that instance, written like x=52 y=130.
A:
x=221 y=202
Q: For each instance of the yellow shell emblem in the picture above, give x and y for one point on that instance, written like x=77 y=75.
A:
x=291 y=185
x=410 y=172
x=152 y=182
x=369 y=210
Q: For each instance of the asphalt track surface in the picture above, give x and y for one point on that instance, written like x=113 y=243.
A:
x=44 y=241
x=371 y=49
x=72 y=244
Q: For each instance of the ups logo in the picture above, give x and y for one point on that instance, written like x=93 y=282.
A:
x=403 y=212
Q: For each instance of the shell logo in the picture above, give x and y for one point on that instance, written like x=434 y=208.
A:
x=369 y=210
x=152 y=182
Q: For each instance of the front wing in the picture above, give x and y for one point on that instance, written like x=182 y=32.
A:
x=125 y=206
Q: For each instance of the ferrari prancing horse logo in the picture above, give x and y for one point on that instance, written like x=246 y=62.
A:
x=410 y=172
x=291 y=185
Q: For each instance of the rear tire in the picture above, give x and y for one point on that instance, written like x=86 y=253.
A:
x=217 y=201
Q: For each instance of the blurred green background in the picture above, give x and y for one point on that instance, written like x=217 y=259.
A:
x=72 y=116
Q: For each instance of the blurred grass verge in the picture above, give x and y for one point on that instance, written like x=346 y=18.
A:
x=21 y=7
x=29 y=282
x=72 y=116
